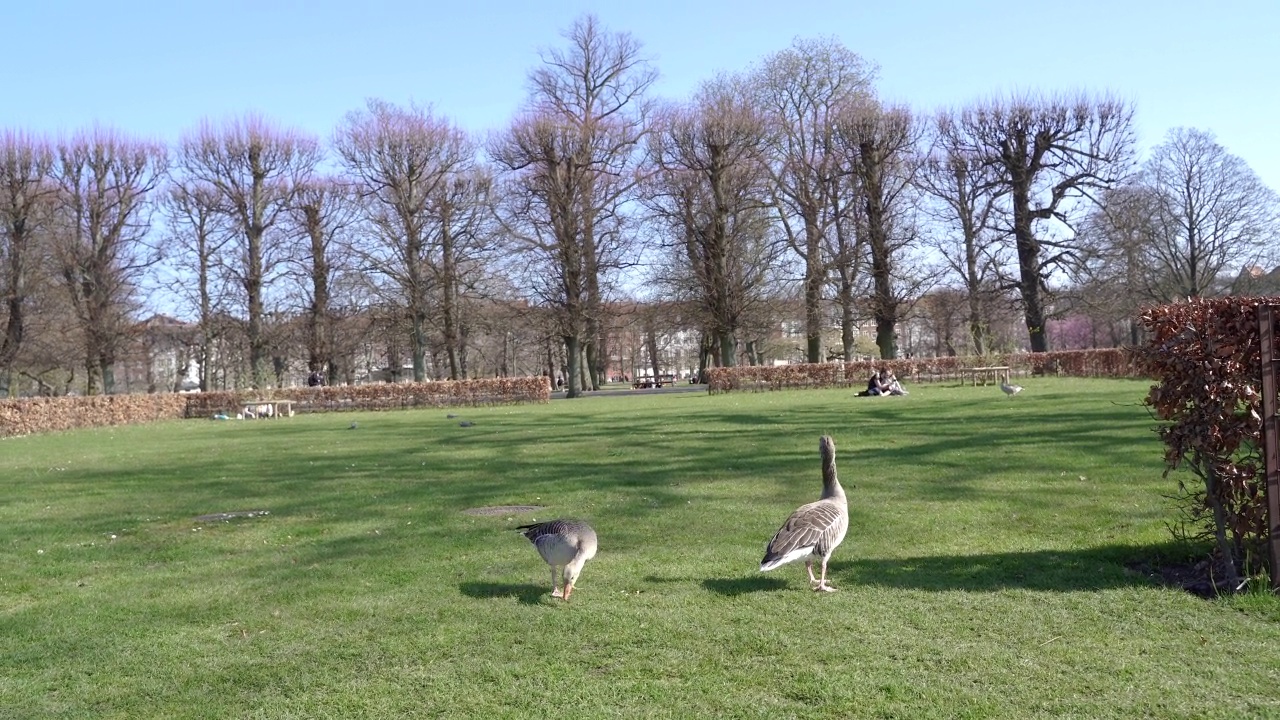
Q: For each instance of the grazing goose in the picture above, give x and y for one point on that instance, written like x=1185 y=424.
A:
x=813 y=530
x=563 y=543
x=1010 y=390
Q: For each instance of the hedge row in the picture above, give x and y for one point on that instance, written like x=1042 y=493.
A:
x=391 y=396
x=29 y=416
x=1110 y=362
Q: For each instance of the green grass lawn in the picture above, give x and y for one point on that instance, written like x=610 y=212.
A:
x=985 y=573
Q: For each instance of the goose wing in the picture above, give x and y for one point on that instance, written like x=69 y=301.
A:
x=813 y=529
x=559 y=541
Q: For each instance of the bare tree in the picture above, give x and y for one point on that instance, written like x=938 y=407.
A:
x=197 y=229
x=104 y=180
x=403 y=161
x=707 y=195
x=461 y=240
x=570 y=164
x=802 y=90
x=49 y=358
x=540 y=210
x=1047 y=156
x=881 y=143
x=845 y=248
x=1115 y=238
x=1212 y=214
x=256 y=169
x=966 y=193
x=322 y=212
x=26 y=164
x=940 y=313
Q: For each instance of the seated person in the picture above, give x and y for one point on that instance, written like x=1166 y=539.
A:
x=876 y=386
x=893 y=387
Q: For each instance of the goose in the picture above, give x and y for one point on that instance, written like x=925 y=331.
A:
x=813 y=530
x=1010 y=390
x=563 y=543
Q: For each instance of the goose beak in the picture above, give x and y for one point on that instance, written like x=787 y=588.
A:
x=568 y=589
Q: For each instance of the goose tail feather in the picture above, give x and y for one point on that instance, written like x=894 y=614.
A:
x=772 y=561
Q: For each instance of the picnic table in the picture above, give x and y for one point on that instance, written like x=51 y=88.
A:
x=268 y=408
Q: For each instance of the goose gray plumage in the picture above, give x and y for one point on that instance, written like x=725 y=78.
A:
x=1010 y=390
x=567 y=544
x=816 y=529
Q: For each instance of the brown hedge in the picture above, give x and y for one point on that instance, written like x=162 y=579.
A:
x=389 y=396
x=1206 y=354
x=1109 y=362
x=29 y=416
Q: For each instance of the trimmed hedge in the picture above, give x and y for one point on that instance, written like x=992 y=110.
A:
x=389 y=396
x=1207 y=355
x=1109 y=362
x=30 y=416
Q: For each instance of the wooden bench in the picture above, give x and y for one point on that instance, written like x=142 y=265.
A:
x=273 y=408
x=993 y=374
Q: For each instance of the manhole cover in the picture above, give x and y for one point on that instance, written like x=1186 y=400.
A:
x=502 y=509
x=214 y=517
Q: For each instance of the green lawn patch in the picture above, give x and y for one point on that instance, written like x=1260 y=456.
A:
x=986 y=573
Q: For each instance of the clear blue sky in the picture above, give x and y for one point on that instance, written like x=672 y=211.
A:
x=157 y=69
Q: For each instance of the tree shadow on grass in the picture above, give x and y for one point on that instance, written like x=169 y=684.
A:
x=524 y=592
x=1084 y=570
x=732 y=587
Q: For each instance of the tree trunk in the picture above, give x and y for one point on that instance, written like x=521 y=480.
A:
x=590 y=361
x=728 y=348
x=651 y=342
x=1225 y=547
x=253 y=295
x=976 y=329
x=320 y=350
x=704 y=356
x=418 y=332
x=813 y=309
x=553 y=372
x=448 y=300
x=572 y=352
x=14 y=328
x=886 y=338
x=1028 y=268
x=107 y=368
x=846 y=297
x=598 y=352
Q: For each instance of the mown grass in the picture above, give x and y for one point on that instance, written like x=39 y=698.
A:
x=986 y=572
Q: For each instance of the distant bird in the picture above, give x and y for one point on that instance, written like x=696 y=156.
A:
x=1010 y=390
x=353 y=426
x=466 y=423
x=567 y=544
x=816 y=529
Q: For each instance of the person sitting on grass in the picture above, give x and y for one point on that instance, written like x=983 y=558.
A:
x=891 y=382
x=876 y=386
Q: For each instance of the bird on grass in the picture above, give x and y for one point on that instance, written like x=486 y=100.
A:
x=566 y=544
x=1010 y=390
x=813 y=530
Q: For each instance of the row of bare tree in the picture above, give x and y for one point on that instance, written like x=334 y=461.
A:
x=789 y=180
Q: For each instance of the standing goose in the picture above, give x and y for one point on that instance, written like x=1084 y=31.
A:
x=816 y=529
x=1010 y=390
x=563 y=543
